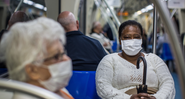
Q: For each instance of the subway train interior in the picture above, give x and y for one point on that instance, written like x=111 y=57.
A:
x=162 y=34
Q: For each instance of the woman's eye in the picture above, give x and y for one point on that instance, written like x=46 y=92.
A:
x=137 y=37
x=126 y=37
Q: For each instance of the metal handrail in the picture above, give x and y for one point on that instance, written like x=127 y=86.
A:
x=4 y=75
x=111 y=24
x=16 y=9
x=27 y=89
x=176 y=48
x=113 y=14
x=154 y=29
x=19 y=5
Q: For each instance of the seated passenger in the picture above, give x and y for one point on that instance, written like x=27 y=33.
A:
x=117 y=73
x=16 y=17
x=34 y=53
x=85 y=52
x=97 y=33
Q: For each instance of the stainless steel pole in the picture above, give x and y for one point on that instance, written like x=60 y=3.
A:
x=116 y=19
x=174 y=42
x=154 y=30
x=19 y=5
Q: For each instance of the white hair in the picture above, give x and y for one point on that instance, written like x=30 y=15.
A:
x=26 y=43
x=95 y=24
x=66 y=22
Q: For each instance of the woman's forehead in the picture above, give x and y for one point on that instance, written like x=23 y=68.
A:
x=131 y=28
x=55 y=47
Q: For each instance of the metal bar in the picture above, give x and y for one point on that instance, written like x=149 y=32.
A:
x=4 y=75
x=84 y=15
x=111 y=23
x=174 y=42
x=19 y=5
x=154 y=29
x=116 y=19
x=173 y=12
x=59 y=6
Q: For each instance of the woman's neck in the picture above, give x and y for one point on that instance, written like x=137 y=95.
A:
x=96 y=31
x=132 y=59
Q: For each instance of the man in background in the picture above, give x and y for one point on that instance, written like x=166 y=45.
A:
x=85 y=52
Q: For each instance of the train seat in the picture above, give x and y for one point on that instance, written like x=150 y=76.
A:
x=82 y=85
x=114 y=46
x=166 y=52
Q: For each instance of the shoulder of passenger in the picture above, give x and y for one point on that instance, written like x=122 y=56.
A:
x=153 y=57
x=110 y=56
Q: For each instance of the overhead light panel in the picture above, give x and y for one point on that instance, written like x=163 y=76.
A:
x=143 y=10
x=31 y=3
x=149 y=7
x=39 y=6
x=45 y=9
x=139 y=12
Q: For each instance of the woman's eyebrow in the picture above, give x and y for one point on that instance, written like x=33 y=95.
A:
x=137 y=34
x=53 y=53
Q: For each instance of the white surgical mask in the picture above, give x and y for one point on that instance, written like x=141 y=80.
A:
x=60 y=75
x=131 y=47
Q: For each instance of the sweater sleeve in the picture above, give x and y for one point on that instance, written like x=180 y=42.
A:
x=166 y=83
x=104 y=76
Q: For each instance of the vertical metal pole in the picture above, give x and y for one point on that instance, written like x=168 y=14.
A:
x=154 y=29
x=19 y=5
x=59 y=6
x=174 y=41
x=84 y=16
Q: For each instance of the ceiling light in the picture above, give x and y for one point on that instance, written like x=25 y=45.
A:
x=39 y=6
x=139 y=12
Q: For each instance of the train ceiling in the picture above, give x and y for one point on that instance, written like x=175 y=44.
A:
x=132 y=6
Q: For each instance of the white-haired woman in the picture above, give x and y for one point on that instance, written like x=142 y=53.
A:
x=34 y=54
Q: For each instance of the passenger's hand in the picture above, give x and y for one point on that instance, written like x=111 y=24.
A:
x=135 y=96
x=105 y=44
x=142 y=96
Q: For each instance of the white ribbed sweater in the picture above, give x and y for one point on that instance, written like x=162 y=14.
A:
x=115 y=75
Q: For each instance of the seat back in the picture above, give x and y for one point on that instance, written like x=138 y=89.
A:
x=114 y=45
x=3 y=70
x=82 y=85
x=16 y=86
x=166 y=52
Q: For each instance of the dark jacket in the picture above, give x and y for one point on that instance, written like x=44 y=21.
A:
x=85 y=52
x=2 y=32
x=2 y=64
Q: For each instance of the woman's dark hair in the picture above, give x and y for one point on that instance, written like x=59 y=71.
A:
x=127 y=23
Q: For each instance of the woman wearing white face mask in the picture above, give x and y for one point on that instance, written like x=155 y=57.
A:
x=34 y=53
x=117 y=74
